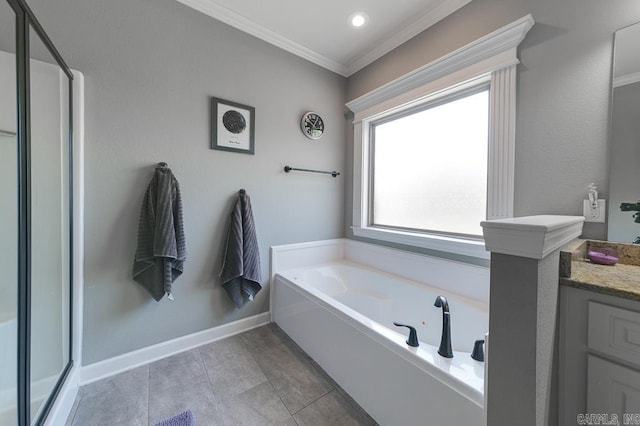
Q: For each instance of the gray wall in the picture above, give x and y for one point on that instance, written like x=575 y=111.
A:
x=522 y=374
x=625 y=152
x=512 y=340
x=563 y=92
x=150 y=67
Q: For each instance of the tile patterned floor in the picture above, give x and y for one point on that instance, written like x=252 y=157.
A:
x=260 y=377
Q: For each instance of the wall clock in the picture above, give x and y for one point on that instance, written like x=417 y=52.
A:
x=312 y=125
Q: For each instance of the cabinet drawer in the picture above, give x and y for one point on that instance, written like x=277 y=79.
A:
x=612 y=389
x=615 y=332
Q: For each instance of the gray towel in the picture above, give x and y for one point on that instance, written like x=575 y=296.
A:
x=161 y=249
x=241 y=262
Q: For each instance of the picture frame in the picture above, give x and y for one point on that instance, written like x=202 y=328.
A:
x=232 y=126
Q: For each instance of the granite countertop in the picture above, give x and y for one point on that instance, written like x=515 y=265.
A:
x=621 y=280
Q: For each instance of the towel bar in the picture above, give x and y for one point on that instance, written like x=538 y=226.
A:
x=333 y=173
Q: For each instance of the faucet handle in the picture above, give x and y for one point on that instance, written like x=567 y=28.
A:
x=413 y=335
x=478 y=351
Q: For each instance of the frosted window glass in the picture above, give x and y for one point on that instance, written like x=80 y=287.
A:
x=430 y=167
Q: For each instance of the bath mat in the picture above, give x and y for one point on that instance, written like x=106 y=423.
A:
x=186 y=418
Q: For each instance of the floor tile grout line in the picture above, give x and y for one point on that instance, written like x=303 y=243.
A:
x=353 y=403
x=204 y=367
x=315 y=400
x=267 y=377
x=356 y=407
x=206 y=371
x=337 y=388
x=298 y=351
x=283 y=344
x=289 y=345
x=340 y=390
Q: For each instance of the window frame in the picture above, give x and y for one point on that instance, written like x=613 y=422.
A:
x=426 y=104
x=490 y=60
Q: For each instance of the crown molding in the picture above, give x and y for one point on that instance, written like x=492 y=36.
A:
x=498 y=45
x=623 y=80
x=221 y=13
x=383 y=47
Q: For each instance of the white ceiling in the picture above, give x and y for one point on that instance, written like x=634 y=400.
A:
x=320 y=31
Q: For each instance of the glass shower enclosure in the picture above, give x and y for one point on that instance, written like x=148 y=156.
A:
x=36 y=219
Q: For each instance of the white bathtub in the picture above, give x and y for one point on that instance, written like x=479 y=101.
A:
x=341 y=313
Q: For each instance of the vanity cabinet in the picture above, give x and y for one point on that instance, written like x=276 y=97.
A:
x=599 y=356
x=612 y=388
x=613 y=339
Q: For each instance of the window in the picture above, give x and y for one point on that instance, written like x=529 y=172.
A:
x=434 y=149
x=429 y=166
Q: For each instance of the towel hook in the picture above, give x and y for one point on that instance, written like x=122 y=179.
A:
x=162 y=164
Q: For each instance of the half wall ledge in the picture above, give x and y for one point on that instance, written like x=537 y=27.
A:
x=521 y=366
x=532 y=237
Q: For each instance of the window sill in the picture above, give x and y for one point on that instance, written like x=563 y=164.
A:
x=461 y=246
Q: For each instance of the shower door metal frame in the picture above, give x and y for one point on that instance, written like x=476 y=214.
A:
x=25 y=20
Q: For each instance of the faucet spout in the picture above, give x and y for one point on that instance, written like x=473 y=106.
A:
x=445 y=341
x=632 y=207
x=441 y=301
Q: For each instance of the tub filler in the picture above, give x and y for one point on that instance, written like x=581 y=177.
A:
x=338 y=300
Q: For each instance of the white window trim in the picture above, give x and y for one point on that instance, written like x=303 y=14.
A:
x=491 y=58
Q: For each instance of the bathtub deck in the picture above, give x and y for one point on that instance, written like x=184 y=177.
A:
x=258 y=377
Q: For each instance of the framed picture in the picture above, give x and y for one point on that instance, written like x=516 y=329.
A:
x=232 y=126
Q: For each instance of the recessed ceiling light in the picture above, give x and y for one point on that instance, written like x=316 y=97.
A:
x=358 y=19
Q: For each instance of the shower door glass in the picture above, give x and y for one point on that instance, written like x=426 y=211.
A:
x=8 y=219
x=50 y=223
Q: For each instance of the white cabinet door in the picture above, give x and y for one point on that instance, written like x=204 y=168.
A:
x=612 y=388
x=615 y=331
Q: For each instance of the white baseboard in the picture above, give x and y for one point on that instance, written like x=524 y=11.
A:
x=112 y=366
